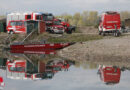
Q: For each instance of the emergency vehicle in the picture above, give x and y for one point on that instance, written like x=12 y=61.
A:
x=48 y=18
x=20 y=22
x=56 y=66
x=68 y=28
x=22 y=69
x=110 y=23
x=52 y=25
x=109 y=75
x=16 y=69
x=23 y=16
x=55 y=25
x=18 y=26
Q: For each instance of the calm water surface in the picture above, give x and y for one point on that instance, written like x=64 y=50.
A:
x=38 y=72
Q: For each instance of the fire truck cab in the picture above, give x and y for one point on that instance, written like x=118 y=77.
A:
x=17 y=22
x=22 y=69
x=55 y=27
x=18 y=26
x=110 y=23
x=48 y=18
x=68 y=28
x=16 y=66
x=23 y=16
x=16 y=69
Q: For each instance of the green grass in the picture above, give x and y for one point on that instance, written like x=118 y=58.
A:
x=74 y=38
x=55 y=38
x=77 y=30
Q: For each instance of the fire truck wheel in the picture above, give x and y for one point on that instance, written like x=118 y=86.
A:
x=103 y=33
x=117 y=34
x=49 y=31
x=11 y=32
x=100 y=33
x=69 y=32
x=114 y=34
x=73 y=30
x=52 y=32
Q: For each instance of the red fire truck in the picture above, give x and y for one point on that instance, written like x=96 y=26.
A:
x=25 y=27
x=24 y=22
x=68 y=28
x=16 y=27
x=51 y=68
x=56 y=66
x=25 y=70
x=52 y=25
x=16 y=69
x=19 y=69
x=109 y=74
x=110 y=23
x=55 y=25
x=48 y=18
x=24 y=16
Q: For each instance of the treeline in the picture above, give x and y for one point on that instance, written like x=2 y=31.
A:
x=2 y=17
x=88 y=18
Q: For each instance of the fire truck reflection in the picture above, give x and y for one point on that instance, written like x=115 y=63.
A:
x=22 y=69
x=2 y=67
x=2 y=84
x=110 y=75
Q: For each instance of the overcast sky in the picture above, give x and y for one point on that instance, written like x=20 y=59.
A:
x=63 y=6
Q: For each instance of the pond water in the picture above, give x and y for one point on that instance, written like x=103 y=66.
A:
x=49 y=72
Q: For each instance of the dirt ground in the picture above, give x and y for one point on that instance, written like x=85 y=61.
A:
x=88 y=30
x=109 y=50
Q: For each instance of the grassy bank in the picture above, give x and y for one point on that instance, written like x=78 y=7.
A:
x=80 y=35
x=74 y=38
x=54 y=38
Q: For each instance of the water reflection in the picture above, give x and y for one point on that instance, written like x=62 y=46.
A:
x=2 y=84
x=3 y=67
x=110 y=75
x=23 y=69
x=27 y=67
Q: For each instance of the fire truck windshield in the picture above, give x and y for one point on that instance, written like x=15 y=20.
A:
x=57 y=68
x=16 y=23
x=57 y=22
x=47 y=18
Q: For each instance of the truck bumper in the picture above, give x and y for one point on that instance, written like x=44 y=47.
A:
x=58 y=31
x=104 y=29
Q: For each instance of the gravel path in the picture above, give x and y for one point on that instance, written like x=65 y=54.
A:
x=109 y=50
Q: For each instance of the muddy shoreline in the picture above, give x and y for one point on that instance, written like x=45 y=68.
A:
x=112 y=51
